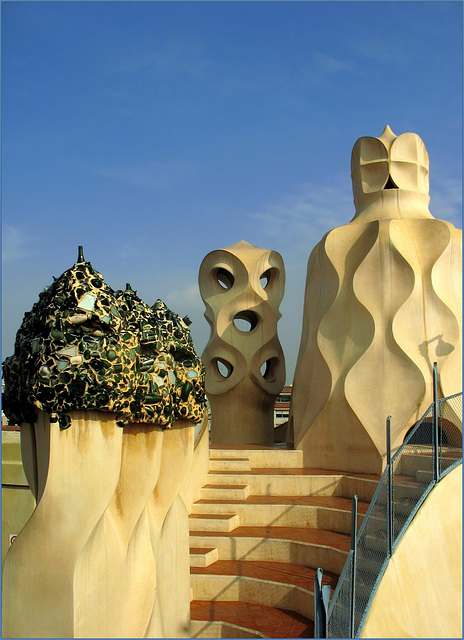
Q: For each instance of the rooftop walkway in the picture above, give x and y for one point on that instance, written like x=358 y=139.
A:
x=262 y=526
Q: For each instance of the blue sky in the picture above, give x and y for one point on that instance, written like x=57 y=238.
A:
x=152 y=133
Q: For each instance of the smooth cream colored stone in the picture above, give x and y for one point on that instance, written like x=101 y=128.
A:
x=173 y=578
x=203 y=558
x=273 y=550
x=201 y=522
x=119 y=550
x=17 y=505
x=263 y=458
x=283 y=485
x=203 y=629
x=283 y=515
x=225 y=493
x=38 y=577
x=246 y=589
x=170 y=616
x=429 y=555
x=382 y=303
x=243 y=316
x=233 y=464
x=106 y=551
x=191 y=489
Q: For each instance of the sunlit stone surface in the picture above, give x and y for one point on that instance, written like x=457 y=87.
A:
x=242 y=287
x=382 y=304
x=107 y=391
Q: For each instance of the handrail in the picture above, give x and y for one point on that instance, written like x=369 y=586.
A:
x=427 y=454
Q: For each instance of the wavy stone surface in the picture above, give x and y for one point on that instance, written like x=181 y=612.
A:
x=382 y=304
x=106 y=552
x=107 y=391
x=242 y=287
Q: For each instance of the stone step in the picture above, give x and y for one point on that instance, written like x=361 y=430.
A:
x=403 y=487
x=208 y=522
x=289 y=518
x=224 y=492
x=268 y=622
x=286 y=585
x=297 y=545
x=404 y=506
x=378 y=524
x=363 y=486
x=229 y=464
x=200 y=557
x=324 y=512
x=423 y=476
x=216 y=629
x=262 y=457
x=298 y=482
x=377 y=543
x=420 y=458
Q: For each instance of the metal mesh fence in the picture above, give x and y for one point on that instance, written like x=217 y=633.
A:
x=371 y=551
x=450 y=432
x=413 y=473
x=339 y=613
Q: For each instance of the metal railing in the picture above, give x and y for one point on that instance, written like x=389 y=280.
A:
x=431 y=449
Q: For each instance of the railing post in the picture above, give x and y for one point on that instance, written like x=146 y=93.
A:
x=390 y=532
x=321 y=604
x=354 y=531
x=436 y=469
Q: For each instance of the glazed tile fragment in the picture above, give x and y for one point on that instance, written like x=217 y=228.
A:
x=85 y=346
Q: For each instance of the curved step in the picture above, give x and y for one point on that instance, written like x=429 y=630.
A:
x=298 y=545
x=213 y=522
x=201 y=557
x=223 y=492
x=233 y=465
x=260 y=456
x=215 y=629
x=268 y=621
x=331 y=513
x=275 y=584
x=298 y=482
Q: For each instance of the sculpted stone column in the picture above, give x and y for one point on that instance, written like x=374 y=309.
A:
x=242 y=287
x=107 y=391
x=382 y=303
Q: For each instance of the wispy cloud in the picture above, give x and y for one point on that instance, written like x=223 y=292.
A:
x=130 y=250
x=381 y=51
x=327 y=63
x=446 y=201
x=152 y=175
x=187 y=297
x=185 y=57
x=323 y=70
x=294 y=224
x=282 y=81
x=16 y=243
x=299 y=220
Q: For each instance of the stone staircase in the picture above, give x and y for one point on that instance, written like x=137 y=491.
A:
x=262 y=526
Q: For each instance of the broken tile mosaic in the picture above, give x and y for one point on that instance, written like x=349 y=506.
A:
x=85 y=346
